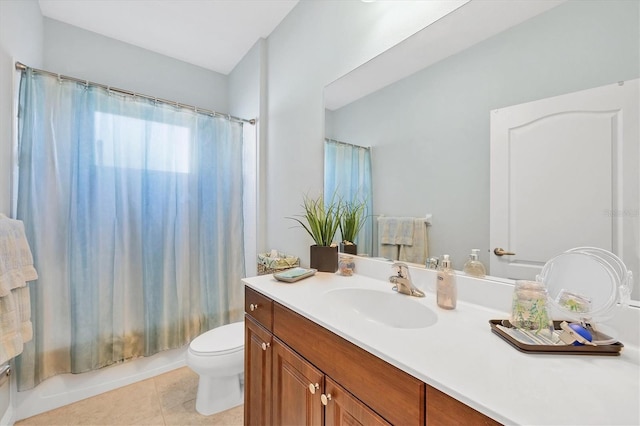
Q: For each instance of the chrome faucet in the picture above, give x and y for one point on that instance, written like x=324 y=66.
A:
x=402 y=280
x=432 y=263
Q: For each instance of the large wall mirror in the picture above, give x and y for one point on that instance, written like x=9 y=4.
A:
x=429 y=131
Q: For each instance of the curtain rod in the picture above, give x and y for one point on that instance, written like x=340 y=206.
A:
x=346 y=143
x=22 y=67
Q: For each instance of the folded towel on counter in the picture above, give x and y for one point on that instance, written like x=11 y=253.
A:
x=395 y=230
x=16 y=268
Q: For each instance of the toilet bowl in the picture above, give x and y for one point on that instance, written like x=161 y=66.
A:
x=217 y=356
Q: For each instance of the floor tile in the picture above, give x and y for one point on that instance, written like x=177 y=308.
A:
x=232 y=417
x=167 y=399
x=176 y=387
x=186 y=414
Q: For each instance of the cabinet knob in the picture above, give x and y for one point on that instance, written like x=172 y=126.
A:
x=313 y=387
x=265 y=346
x=253 y=307
x=325 y=398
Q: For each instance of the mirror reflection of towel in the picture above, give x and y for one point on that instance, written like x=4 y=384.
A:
x=403 y=238
x=418 y=251
x=396 y=230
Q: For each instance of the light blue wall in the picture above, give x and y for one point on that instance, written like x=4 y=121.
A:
x=430 y=131
x=79 y=53
x=21 y=33
x=246 y=99
x=318 y=42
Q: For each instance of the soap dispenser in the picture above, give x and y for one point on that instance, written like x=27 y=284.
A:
x=447 y=292
x=473 y=266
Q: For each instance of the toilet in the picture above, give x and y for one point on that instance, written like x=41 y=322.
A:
x=217 y=356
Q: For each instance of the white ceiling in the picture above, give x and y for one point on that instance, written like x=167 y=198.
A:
x=465 y=26
x=213 y=34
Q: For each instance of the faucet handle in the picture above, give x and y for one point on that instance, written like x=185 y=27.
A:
x=432 y=263
x=402 y=269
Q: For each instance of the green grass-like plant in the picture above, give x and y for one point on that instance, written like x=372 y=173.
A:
x=352 y=219
x=320 y=219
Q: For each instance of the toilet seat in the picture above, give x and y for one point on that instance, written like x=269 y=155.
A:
x=223 y=340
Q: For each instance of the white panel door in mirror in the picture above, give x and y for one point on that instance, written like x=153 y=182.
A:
x=556 y=178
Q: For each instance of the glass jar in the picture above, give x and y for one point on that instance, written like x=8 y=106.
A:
x=346 y=265
x=529 y=307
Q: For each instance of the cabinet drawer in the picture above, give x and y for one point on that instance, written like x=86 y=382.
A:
x=395 y=395
x=259 y=307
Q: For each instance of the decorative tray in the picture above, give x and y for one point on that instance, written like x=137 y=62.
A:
x=501 y=328
x=294 y=274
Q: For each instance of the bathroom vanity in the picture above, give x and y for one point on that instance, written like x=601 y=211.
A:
x=316 y=354
x=295 y=369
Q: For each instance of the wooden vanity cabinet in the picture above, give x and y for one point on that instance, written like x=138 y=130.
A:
x=285 y=383
x=257 y=373
x=396 y=396
x=345 y=409
x=259 y=307
x=444 y=410
x=296 y=389
x=299 y=373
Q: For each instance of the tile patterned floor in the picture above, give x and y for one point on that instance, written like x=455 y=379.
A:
x=168 y=399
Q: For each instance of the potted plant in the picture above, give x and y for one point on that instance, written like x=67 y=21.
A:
x=321 y=221
x=352 y=219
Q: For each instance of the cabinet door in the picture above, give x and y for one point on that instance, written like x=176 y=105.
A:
x=257 y=374
x=395 y=395
x=297 y=386
x=342 y=408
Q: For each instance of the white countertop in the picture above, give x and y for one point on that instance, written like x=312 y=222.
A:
x=460 y=356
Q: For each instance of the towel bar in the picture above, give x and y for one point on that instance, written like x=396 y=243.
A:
x=427 y=218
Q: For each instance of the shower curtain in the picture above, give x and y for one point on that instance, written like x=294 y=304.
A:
x=134 y=214
x=347 y=174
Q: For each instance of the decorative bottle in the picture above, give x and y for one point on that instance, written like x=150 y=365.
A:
x=473 y=266
x=447 y=292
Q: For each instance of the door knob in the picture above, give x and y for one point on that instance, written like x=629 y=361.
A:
x=502 y=252
x=265 y=346
x=253 y=307
x=313 y=387
x=325 y=398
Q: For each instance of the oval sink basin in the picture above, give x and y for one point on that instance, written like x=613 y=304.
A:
x=383 y=307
